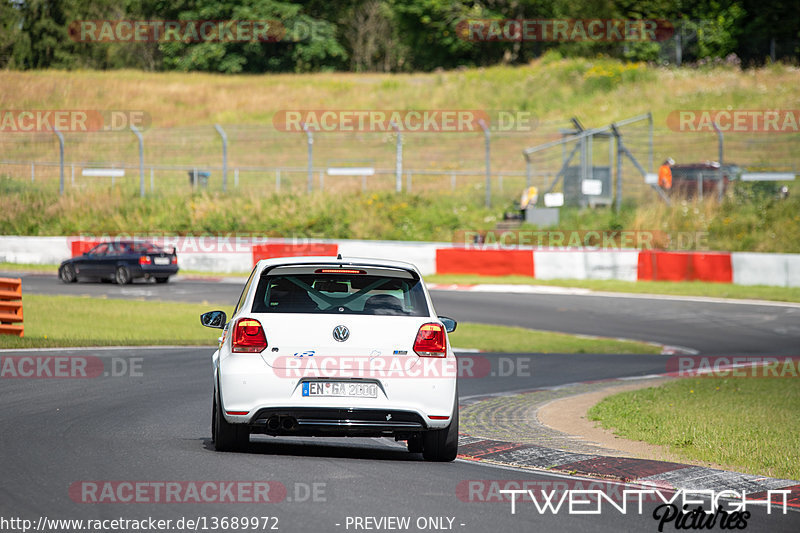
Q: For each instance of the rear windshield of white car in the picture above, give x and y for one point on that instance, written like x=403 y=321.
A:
x=357 y=294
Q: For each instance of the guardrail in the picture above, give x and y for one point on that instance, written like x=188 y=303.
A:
x=11 y=307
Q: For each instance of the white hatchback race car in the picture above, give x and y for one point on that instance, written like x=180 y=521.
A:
x=322 y=346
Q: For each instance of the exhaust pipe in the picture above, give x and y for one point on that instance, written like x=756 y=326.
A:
x=273 y=423
x=288 y=423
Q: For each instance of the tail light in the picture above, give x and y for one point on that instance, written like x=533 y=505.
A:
x=248 y=336
x=431 y=341
x=174 y=260
x=145 y=260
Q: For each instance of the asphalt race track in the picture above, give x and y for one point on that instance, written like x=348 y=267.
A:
x=151 y=423
x=708 y=327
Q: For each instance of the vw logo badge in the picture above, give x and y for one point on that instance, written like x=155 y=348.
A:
x=341 y=333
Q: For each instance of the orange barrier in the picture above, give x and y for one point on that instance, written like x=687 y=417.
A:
x=484 y=262
x=11 y=307
x=685 y=266
x=268 y=251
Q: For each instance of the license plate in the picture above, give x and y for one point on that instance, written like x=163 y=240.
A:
x=161 y=260
x=340 y=389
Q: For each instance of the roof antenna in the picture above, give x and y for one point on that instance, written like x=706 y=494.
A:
x=339 y=256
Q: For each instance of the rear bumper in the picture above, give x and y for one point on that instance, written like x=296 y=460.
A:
x=305 y=421
x=151 y=271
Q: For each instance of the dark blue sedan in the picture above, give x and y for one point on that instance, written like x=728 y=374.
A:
x=121 y=262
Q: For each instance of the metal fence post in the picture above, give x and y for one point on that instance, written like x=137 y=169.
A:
x=61 y=161
x=321 y=180
x=700 y=185
x=72 y=174
x=618 y=203
x=452 y=181
x=528 y=171
x=33 y=172
x=138 y=134
x=236 y=177
x=488 y=146
x=650 y=120
x=224 y=156
x=398 y=165
x=310 y=141
x=720 y=149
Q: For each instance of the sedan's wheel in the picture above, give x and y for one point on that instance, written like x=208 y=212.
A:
x=442 y=444
x=162 y=279
x=122 y=276
x=227 y=437
x=67 y=274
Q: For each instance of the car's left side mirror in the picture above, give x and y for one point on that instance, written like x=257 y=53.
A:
x=214 y=319
x=449 y=324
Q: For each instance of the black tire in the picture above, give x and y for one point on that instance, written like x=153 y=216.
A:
x=441 y=445
x=162 y=279
x=122 y=276
x=67 y=274
x=227 y=437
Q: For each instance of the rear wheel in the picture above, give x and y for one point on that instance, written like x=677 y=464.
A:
x=162 y=279
x=67 y=274
x=122 y=276
x=227 y=437
x=441 y=445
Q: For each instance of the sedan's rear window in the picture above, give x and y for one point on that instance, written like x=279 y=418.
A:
x=357 y=294
x=146 y=248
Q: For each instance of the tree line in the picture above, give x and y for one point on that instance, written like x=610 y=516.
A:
x=381 y=35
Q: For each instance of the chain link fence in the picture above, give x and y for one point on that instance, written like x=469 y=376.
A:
x=263 y=160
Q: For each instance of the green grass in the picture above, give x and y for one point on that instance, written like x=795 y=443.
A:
x=677 y=288
x=52 y=321
x=78 y=321
x=378 y=215
x=742 y=222
x=27 y=267
x=745 y=424
x=512 y=339
x=597 y=90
